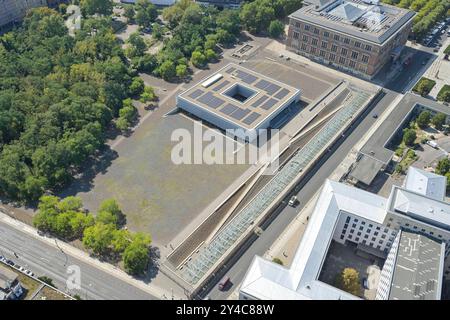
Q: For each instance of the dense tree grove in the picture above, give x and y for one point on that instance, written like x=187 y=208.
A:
x=196 y=31
x=257 y=16
x=102 y=235
x=58 y=95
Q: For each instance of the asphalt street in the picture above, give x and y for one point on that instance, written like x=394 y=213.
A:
x=45 y=260
x=311 y=185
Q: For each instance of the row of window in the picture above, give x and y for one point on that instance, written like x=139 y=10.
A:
x=335 y=37
x=333 y=48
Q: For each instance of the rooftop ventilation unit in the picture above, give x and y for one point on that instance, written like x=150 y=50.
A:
x=212 y=80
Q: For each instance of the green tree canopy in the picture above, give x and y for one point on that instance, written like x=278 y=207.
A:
x=423 y=120
x=348 y=280
x=276 y=28
x=438 y=120
x=136 y=255
x=409 y=137
x=90 y=7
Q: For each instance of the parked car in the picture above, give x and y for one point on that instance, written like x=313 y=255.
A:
x=223 y=283
x=375 y=116
x=365 y=283
x=10 y=262
x=29 y=273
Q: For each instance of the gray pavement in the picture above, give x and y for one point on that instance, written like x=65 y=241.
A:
x=45 y=260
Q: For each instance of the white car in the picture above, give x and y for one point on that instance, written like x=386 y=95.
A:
x=293 y=201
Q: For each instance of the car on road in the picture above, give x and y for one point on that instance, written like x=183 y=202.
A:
x=375 y=116
x=223 y=283
x=293 y=201
x=10 y=262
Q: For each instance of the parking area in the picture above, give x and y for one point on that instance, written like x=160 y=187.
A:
x=341 y=256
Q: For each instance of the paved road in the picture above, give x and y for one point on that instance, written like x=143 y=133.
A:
x=43 y=259
x=288 y=214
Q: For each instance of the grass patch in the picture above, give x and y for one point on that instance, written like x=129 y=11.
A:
x=424 y=86
x=48 y=293
x=444 y=93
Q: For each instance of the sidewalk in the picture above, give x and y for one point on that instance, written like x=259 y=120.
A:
x=154 y=290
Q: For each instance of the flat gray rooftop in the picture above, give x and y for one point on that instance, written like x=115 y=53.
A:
x=376 y=146
x=239 y=95
x=417 y=268
x=365 y=19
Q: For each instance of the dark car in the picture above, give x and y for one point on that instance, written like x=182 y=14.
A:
x=223 y=283
x=10 y=262
x=375 y=116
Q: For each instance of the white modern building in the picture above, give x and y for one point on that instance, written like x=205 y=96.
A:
x=239 y=99
x=411 y=229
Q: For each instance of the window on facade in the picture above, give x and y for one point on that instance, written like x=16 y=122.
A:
x=336 y=37
x=371 y=244
x=354 y=225
x=322 y=53
x=415 y=227
x=356 y=239
x=344 y=51
x=357 y=44
x=360 y=228
x=350 y=236
x=307 y=27
x=332 y=57
x=364 y=242
x=305 y=38
x=378 y=247
x=346 y=40
x=359 y=233
x=324 y=44
x=368 y=47
x=297 y=25
x=369 y=230
x=373 y=238
x=366 y=236
x=388 y=225
x=352 y=230
x=314 y=42
x=381 y=241
x=296 y=35
x=303 y=46
x=316 y=31
x=342 y=237
x=386 y=230
x=378 y=228
x=383 y=236
x=333 y=48
x=375 y=233
x=313 y=50
x=356 y=220
x=352 y=64
x=347 y=220
x=326 y=34
x=342 y=60
x=354 y=55
x=363 y=222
